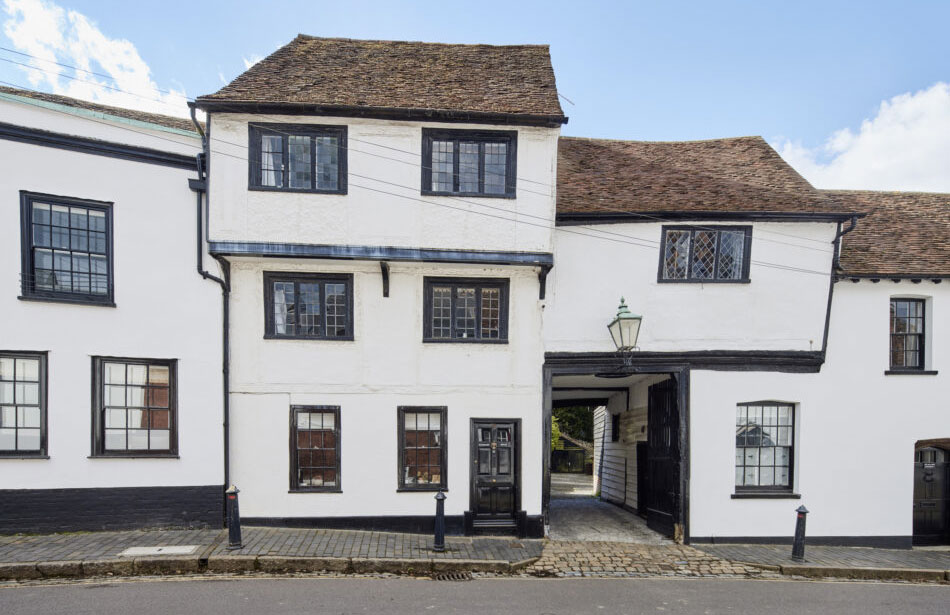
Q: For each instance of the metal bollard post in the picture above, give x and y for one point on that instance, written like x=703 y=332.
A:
x=439 y=545
x=234 y=518
x=798 y=548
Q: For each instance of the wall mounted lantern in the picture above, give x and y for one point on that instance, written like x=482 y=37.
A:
x=625 y=328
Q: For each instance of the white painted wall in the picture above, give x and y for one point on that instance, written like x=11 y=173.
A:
x=379 y=163
x=777 y=310
x=386 y=366
x=163 y=308
x=856 y=427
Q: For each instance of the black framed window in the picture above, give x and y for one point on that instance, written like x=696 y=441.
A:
x=615 y=427
x=315 y=448
x=66 y=249
x=705 y=254
x=22 y=404
x=297 y=158
x=472 y=163
x=308 y=306
x=907 y=334
x=134 y=406
x=466 y=310
x=765 y=446
x=422 y=448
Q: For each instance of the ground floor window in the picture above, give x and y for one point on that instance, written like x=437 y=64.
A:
x=765 y=433
x=134 y=407
x=22 y=404
x=315 y=448
x=422 y=448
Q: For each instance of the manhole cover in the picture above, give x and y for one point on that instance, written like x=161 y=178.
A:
x=175 y=550
x=453 y=576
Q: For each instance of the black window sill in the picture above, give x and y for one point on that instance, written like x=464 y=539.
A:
x=470 y=340
x=345 y=338
x=766 y=495
x=295 y=190
x=73 y=300
x=315 y=491
x=23 y=456
x=672 y=281
x=910 y=372
x=139 y=456
x=481 y=195
x=421 y=489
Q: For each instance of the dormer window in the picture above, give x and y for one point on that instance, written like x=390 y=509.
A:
x=469 y=163
x=705 y=254
x=297 y=158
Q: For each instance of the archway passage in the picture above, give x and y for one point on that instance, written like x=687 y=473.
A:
x=932 y=492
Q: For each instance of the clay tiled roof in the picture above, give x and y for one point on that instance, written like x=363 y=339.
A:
x=152 y=118
x=339 y=73
x=904 y=234
x=738 y=175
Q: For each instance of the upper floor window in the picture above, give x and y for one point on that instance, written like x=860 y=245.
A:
x=22 y=404
x=465 y=310
x=705 y=254
x=765 y=445
x=297 y=158
x=907 y=334
x=308 y=306
x=66 y=249
x=135 y=411
x=469 y=163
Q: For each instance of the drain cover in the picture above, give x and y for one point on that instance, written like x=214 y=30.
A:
x=175 y=550
x=453 y=576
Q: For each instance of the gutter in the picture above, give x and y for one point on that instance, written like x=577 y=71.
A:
x=200 y=186
x=835 y=263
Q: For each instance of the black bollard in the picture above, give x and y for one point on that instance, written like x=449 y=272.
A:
x=439 y=545
x=234 y=518
x=798 y=548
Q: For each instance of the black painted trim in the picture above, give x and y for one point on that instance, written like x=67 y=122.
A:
x=797 y=361
x=306 y=277
x=910 y=372
x=508 y=137
x=96 y=147
x=382 y=113
x=256 y=130
x=42 y=452
x=377 y=253
x=746 y=255
x=112 y=508
x=588 y=218
x=413 y=524
x=765 y=495
x=502 y=284
x=880 y=542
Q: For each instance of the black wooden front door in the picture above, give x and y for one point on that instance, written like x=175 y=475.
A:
x=494 y=476
x=931 y=497
x=663 y=456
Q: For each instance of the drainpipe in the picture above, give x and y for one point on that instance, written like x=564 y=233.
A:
x=200 y=186
x=837 y=241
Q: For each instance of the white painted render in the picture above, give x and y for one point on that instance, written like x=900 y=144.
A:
x=856 y=426
x=777 y=310
x=386 y=366
x=383 y=157
x=163 y=308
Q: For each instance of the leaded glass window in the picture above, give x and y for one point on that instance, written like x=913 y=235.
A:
x=22 y=404
x=705 y=254
x=67 y=249
x=765 y=434
x=466 y=310
x=479 y=163
x=315 y=448
x=298 y=157
x=422 y=448
x=308 y=306
x=135 y=406
x=907 y=334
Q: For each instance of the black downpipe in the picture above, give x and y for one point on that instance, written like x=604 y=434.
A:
x=201 y=189
x=835 y=263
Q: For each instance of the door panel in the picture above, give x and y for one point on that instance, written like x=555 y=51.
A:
x=932 y=500
x=663 y=457
x=493 y=458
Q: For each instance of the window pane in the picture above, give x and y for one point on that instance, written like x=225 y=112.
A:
x=336 y=310
x=328 y=163
x=441 y=312
x=284 y=315
x=159 y=439
x=676 y=254
x=496 y=165
x=731 y=246
x=443 y=169
x=704 y=255
x=272 y=161
x=468 y=167
x=465 y=312
x=300 y=163
x=6 y=393
x=491 y=313
x=27 y=370
x=309 y=314
x=28 y=440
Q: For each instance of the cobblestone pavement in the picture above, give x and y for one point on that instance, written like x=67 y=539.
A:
x=265 y=541
x=587 y=518
x=841 y=557
x=617 y=559
x=571 y=484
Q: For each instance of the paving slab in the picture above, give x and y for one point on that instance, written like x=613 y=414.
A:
x=833 y=557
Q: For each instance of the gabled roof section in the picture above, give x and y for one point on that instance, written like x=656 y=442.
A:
x=510 y=83
x=166 y=121
x=905 y=234
x=608 y=179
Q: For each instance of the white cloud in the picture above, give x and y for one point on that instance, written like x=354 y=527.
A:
x=251 y=61
x=905 y=146
x=47 y=31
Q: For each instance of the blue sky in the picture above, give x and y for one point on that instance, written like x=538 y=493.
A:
x=805 y=75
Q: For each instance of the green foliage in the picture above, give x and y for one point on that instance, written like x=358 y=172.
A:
x=577 y=421
x=555 y=433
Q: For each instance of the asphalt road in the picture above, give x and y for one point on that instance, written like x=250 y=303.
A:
x=276 y=596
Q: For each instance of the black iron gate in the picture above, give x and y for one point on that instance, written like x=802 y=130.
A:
x=663 y=457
